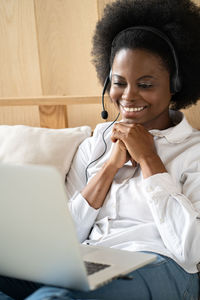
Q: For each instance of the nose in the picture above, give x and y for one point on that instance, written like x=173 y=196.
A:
x=130 y=93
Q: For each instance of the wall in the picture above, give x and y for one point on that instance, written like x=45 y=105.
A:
x=45 y=50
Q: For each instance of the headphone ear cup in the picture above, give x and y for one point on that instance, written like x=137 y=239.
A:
x=175 y=84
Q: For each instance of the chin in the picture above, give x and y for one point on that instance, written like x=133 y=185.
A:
x=129 y=121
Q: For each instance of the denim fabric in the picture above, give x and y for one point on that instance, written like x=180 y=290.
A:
x=51 y=293
x=161 y=280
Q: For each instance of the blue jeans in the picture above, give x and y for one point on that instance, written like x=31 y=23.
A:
x=160 y=280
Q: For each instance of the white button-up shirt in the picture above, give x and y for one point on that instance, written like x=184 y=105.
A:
x=160 y=213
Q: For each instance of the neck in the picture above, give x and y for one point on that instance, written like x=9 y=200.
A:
x=161 y=122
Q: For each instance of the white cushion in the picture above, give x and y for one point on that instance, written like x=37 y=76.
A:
x=21 y=144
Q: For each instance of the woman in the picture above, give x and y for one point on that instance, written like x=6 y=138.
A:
x=142 y=194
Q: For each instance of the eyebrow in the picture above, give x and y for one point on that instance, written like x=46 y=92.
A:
x=140 y=78
x=146 y=77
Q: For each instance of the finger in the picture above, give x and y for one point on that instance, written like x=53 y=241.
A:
x=121 y=129
x=113 y=138
x=121 y=145
x=117 y=135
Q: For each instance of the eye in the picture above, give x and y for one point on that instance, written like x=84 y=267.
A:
x=145 y=85
x=119 y=83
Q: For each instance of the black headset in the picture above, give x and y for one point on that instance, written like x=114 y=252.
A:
x=175 y=80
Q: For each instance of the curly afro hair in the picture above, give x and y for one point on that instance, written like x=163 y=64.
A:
x=179 y=20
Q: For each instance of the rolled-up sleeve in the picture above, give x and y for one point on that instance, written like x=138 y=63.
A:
x=83 y=214
x=177 y=217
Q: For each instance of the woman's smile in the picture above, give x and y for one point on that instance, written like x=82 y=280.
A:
x=130 y=112
x=132 y=109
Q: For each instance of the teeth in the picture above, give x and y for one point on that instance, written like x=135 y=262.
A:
x=130 y=109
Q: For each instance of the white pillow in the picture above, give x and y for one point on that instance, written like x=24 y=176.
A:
x=21 y=144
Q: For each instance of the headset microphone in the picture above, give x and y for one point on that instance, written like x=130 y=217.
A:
x=104 y=113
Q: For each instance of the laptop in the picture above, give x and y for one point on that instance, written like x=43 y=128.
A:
x=38 y=236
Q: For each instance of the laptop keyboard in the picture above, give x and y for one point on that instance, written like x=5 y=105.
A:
x=94 y=267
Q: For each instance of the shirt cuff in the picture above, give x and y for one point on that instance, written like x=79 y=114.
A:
x=81 y=210
x=83 y=215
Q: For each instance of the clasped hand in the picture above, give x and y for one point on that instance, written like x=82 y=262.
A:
x=132 y=142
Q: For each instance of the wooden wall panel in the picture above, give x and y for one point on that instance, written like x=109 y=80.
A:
x=24 y=115
x=84 y=115
x=45 y=50
x=20 y=72
x=48 y=104
x=65 y=29
x=53 y=116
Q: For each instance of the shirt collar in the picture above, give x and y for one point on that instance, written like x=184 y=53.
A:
x=177 y=133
